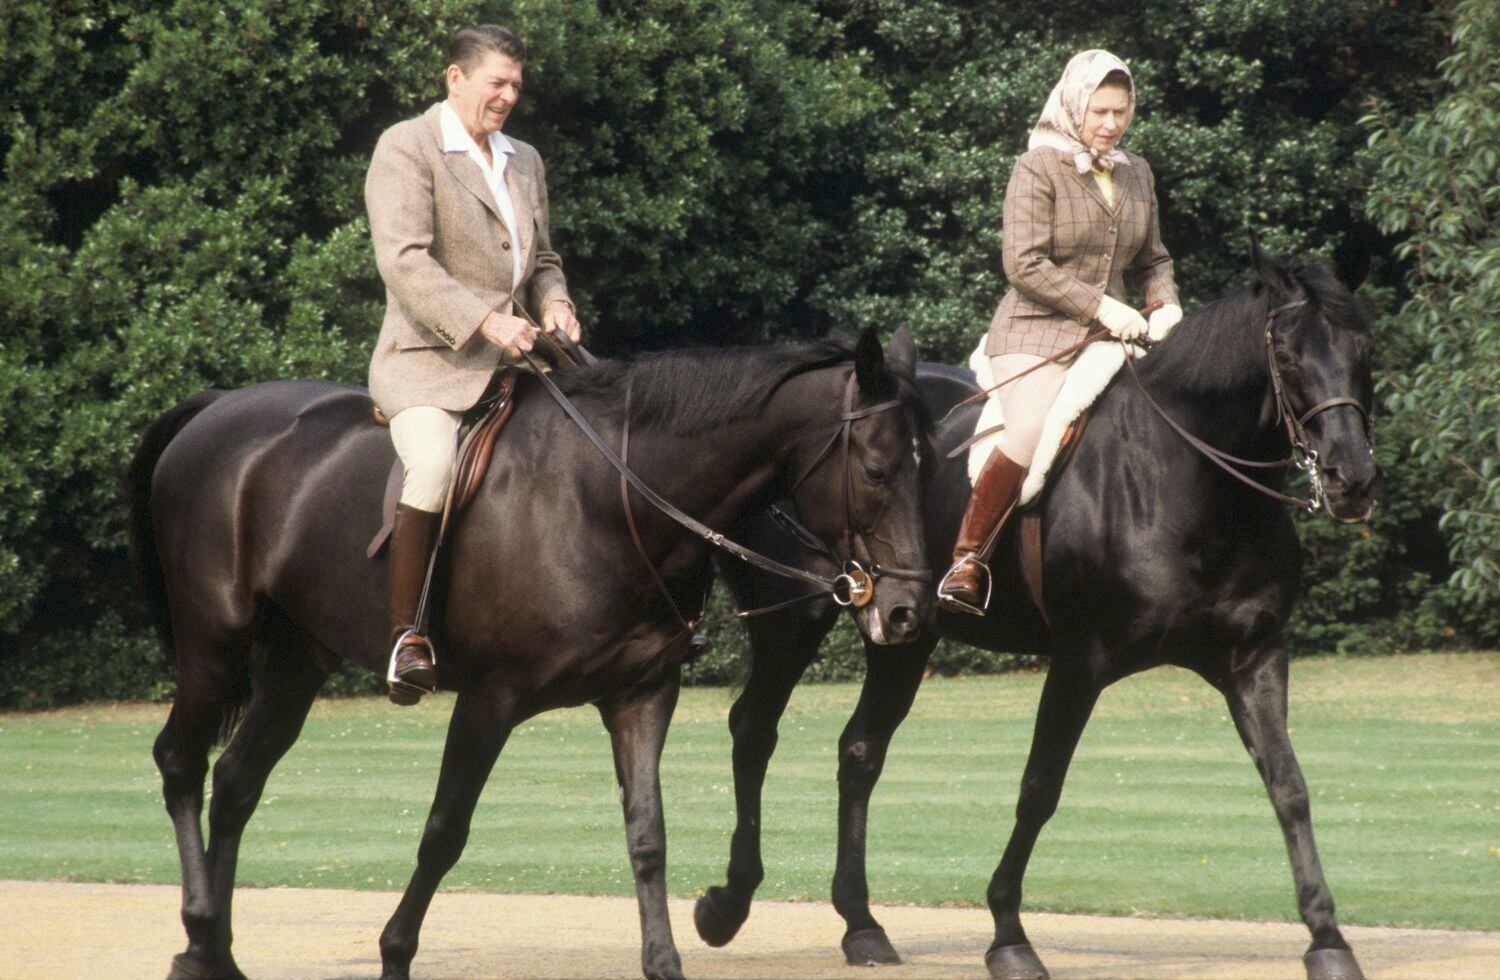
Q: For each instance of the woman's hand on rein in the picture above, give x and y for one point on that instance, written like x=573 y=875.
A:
x=1121 y=321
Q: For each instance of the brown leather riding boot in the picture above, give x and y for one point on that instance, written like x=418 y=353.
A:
x=410 y=550
x=990 y=503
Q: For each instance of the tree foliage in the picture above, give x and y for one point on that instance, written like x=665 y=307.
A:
x=1438 y=184
x=182 y=208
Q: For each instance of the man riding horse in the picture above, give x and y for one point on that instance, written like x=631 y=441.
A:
x=458 y=212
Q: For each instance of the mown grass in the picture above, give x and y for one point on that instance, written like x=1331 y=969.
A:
x=1163 y=813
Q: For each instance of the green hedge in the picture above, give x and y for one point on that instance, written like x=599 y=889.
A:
x=182 y=208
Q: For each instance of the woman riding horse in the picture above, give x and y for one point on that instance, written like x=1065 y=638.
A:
x=458 y=212
x=1079 y=212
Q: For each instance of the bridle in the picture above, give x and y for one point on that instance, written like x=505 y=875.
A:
x=1303 y=456
x=853 y=586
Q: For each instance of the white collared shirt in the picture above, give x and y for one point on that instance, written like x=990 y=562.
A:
x=456 y=139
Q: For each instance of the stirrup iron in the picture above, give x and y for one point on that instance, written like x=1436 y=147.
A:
x=951 y=601
x=390 y=671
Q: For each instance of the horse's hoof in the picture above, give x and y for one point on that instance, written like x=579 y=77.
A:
x=1332 y=964
x=715 y=926
x=185 y=967
x=670 y=968
x=1017 y=962
x=870 y=947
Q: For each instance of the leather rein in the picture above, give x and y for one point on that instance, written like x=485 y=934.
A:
x=854 y=586
x=1303 y=456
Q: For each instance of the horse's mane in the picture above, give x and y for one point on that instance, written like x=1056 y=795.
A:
x=688 y=392
x=1220 y=347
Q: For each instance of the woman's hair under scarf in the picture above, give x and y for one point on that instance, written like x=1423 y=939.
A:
x=1060 y=125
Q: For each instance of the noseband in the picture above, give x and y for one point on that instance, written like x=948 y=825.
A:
x=1303 y=456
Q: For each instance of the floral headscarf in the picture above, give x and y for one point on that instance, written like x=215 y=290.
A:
x=1061 y=123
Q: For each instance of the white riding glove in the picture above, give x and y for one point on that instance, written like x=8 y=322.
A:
x=1122 y=322
x=1163 y=320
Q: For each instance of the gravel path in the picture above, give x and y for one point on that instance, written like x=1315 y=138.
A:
x=57 y=930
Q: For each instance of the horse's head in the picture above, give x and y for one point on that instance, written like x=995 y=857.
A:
x=1319 y=341
x=862 y=491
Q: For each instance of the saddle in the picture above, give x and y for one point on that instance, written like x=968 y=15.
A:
x=477 y=433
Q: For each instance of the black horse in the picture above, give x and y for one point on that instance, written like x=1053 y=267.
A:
x=1151 y=555
x=252 y=509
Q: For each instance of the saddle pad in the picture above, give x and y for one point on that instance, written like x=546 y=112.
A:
x=1089 y=375
x=473 y=459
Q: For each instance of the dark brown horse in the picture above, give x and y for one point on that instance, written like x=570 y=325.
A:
x=252 y=509
x=1152 y=556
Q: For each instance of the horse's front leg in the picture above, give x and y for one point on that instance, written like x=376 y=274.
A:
x=637 y=723
x=1257 y=698
x=781 y=647
x=1068 y=699
x=481 y=722
x=892 y=676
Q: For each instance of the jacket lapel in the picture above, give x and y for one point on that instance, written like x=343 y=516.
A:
x=463 y=170
x=1091 y=188
x=521 y=185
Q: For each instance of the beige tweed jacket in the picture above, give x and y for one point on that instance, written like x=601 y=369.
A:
x=1066 y=246
x=444 y=253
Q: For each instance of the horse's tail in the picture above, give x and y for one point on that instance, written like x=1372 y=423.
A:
x=143 y=554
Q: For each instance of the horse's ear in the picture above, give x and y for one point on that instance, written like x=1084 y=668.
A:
x=901 y=356
x=868 y=359
x=1267 y=269
x=1352 y=262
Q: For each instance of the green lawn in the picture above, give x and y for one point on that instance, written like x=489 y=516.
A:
x=1163 y=813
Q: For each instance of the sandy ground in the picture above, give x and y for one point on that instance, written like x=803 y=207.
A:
x=58 y=930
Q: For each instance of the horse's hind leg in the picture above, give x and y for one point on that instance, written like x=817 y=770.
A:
x=892 y=676
x=637 y=724
x=781 y=647
x=1068 y=699
x=209 y=677
x=1257 y=699
x=287 y=678
x=482 y=721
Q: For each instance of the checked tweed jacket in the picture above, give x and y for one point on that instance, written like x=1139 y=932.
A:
x=444 y=253
x=1066 y=246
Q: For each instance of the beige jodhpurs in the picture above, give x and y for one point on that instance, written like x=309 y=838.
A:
x=1025 y=402
x=425 y=439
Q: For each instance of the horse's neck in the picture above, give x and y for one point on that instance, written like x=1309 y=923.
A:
x=1233 y=410
x=724 y=473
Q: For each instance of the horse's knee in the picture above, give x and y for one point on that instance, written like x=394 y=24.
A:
x=648 y=854
x=860 y=761
x=1037 y=802
x=443 y=841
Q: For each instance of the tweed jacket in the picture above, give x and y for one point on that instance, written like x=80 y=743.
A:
x=444 y=253
x=1066 y=246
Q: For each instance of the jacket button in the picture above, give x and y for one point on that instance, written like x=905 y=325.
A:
x=505 y=245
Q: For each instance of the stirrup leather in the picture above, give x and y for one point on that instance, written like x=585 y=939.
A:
x=946 y=598
x=390 y=673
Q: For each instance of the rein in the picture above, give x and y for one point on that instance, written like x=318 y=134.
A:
x=852 y=587
x=1303 y=456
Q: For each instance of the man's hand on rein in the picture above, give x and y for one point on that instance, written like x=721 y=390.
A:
x=559 y=317
x=510 y=333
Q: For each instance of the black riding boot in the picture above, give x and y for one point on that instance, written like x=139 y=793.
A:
x=990 y=503
x=410 y=552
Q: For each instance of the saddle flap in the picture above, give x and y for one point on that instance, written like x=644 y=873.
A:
x=474 y=454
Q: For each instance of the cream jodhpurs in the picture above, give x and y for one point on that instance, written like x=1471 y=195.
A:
x=1025 y=402
x=425 y=439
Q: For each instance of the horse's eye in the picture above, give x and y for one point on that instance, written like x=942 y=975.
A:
x=874 y=474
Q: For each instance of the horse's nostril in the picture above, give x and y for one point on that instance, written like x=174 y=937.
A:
x=903 y=619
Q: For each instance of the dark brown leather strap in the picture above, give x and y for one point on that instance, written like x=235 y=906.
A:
x=635 y=534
